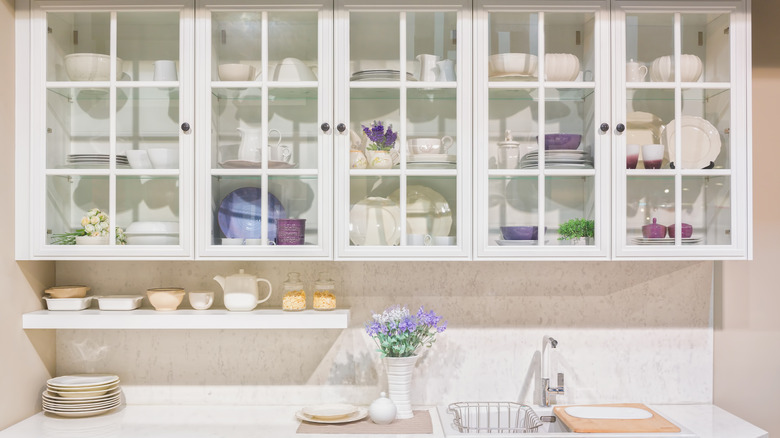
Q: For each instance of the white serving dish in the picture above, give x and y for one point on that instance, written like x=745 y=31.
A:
x=561 y=66
x=512 y=64
x=68 y=303
x=91 y=67
x=120 y=302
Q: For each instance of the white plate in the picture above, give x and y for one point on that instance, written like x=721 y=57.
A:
x=81 y=406
x=643 y=128
x=78 y=380
x=104 y=387
x=243 y=164
x=358 y=415
x=666 y=241
x=329 y=411
x=375 y=221
x=701 y=142
x=518 y=242
x=55 y=398
x=68 y=303
x=427 y=211
x=80 y=414
x=430 y=158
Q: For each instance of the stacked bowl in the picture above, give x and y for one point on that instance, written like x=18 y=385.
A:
x=82 y=395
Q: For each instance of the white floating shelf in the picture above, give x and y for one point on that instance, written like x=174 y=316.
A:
x=146 y=319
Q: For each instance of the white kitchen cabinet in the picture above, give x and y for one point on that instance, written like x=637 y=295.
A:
x=277 y=143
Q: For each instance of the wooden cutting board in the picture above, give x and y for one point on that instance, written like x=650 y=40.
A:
x=654 y=424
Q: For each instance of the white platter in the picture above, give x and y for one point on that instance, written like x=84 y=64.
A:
x=375 y=221
x=700 y=139
x=427 y=211
x=358 y=415
x=80 y=380
x=68 y=303
x=329 y=411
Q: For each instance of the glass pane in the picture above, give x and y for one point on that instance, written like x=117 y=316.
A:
x=294 y=128
x=513 y=202
x=432 y=120
x=297 y=200
x=648 y=199
x=514 y=46
x=569 y=202
x=238 y=212
x=85 y=36
x=148 y=45
x=292 y=45
x=374 y=218
x=77 y=122
x=236 y=45
x=431 y=203
x=705 y=48
x=569 y=129
x=513 y=117
x=648 y=112
x=705 y=122
x=380 y=105
x=706 y=213
x=236 y=120
x=374 y=44
x=143 y=200
x=430 y=43
x=69 y=198
x=569 y=40
x=147 y=119
x=650 y=44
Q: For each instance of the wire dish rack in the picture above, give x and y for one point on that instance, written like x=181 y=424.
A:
x=494 y=417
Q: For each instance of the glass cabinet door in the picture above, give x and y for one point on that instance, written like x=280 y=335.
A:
x=265 y=137
x=115 y=92
x=542 y=159
x=403 y=140
x=681 y=191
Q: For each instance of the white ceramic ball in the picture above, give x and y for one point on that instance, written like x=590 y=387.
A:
x=382 y=410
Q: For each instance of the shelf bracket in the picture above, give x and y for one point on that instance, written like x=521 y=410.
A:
x=701 y=39
x=49 y=30
x=75 y=38
x=223 y=36
x=578 y=38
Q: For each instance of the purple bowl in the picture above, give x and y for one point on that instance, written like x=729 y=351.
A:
x=554 y=142
x=687 y=230
x=520 y=233
x=653 y=231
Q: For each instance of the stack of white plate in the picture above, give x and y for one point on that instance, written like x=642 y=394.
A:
x=95 y=159
x=562 y=159
x=380 y=75
x=82 y=395
x=665 y=240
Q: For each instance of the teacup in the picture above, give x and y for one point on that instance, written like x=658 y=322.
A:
x=429 y=145
x=201 y=300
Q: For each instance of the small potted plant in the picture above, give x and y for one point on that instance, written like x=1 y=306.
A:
x=381 y=141
x=577 y=231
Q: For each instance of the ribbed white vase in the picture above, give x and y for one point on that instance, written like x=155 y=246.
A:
x=399 y=381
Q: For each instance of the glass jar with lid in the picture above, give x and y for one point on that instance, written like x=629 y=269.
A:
x=324 y=289
x=294 y=293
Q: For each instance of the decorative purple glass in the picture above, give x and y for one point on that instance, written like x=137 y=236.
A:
x=290 y=231
x=653 y=231
x=687 y=230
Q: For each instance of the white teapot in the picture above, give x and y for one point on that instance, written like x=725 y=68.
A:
x=241 y=291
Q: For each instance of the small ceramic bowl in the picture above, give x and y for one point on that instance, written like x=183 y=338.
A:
x=687 y=230
x=520 y=233
x=165 y=298
x=653 y=231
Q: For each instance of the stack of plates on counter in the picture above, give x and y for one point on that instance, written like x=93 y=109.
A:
x=665 y=240
x=560 y=159
x=380 y=75
x=518 y=242
x=438 y=161
x=96 y=159
x=332 y=413
x=82 y=395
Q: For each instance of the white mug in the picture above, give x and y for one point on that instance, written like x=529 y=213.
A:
x=201 y=300
x=635 y=72
x=279 y=152
x=444 y=240
x=418 y=239
x=165 y=71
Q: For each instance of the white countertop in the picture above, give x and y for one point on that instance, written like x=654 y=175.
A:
x=181 y=421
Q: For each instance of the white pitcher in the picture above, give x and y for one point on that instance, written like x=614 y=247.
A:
x=428 y=67
x=251 y=145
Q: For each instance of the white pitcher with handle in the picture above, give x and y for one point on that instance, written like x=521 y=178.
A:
x=428 y=67
x=251 y=145
x=241 y=291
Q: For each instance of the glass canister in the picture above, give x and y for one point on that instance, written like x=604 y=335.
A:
x=294 y=293
x=324 y=289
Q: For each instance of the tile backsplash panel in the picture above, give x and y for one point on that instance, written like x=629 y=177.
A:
x=627 y=331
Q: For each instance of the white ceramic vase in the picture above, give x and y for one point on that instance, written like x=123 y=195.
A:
x=399 y=381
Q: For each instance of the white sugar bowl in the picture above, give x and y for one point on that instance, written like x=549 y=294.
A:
x=382 y=410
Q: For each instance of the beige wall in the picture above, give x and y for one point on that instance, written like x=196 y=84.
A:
x=26 y=359
x=747 y=327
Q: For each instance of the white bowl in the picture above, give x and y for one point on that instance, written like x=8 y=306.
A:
x=512 y=64
x=561 y=66
x=163 y=158
x=236 y=72
x=662 y=69
x=293 y=70
x=91 y=67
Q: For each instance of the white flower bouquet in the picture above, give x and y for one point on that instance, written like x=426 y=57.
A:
x=94 y=224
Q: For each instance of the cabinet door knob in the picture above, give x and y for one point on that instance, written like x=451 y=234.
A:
x=620 y=127
x=325 y=127
x=341 y=127
x=604 y=127
x=185 y=126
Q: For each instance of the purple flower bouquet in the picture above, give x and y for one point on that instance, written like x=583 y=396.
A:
x=379 y=138
x=399 y=333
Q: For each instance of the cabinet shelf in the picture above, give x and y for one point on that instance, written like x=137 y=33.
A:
x=147 y=319
x=99 y=91
x=517 y=91
x=252 y=91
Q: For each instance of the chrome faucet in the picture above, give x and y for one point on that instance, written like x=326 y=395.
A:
x=547 y=391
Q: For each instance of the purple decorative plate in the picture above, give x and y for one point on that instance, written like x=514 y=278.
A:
x=240 y=214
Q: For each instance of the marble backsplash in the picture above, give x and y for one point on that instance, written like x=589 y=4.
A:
x=627 y=331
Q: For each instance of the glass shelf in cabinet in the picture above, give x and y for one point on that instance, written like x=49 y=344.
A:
x=238 y=92
x=100 y=93
x=431 y=94
x=551 y=95
x=292 y=94
x=646 y=94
